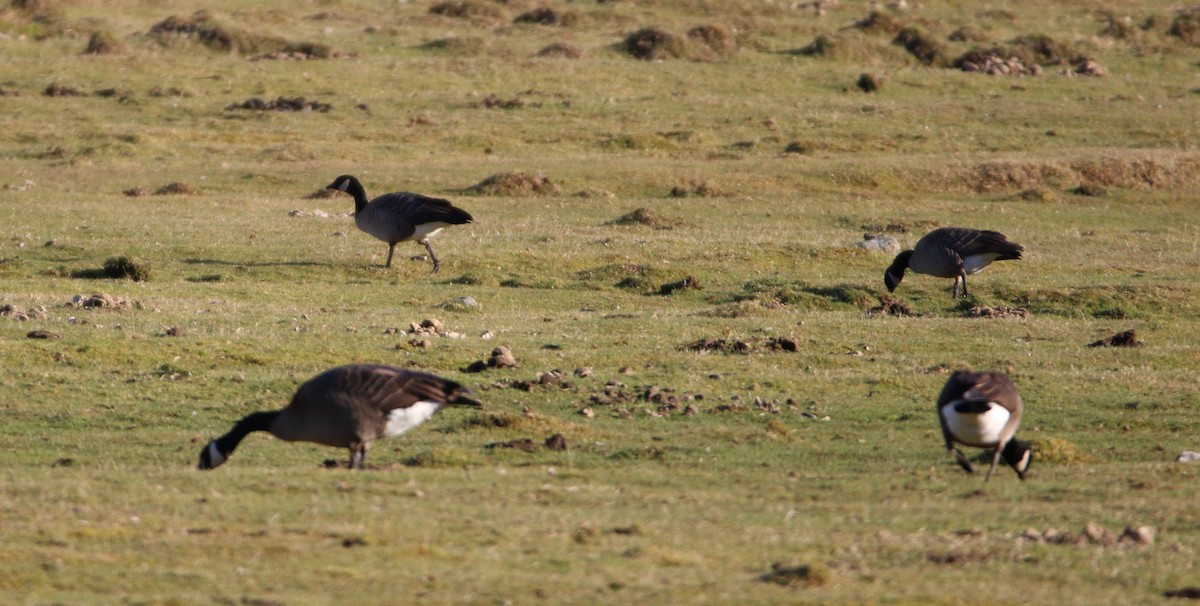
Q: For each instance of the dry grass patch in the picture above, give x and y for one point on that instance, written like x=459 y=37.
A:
x=712 y=42
x=103 y=42
x=561 y=50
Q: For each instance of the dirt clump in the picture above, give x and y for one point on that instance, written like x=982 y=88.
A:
x=697 y=188
x=516 y=184
x=204 y=28
x=804 y=575
x=891 y=306
x=645 y=216
x=117 y=268
x=177 y=188
x=711 y=42
x=281 y=104
x=688 y=283
x=473 y=10
x=869 y=83
x=1090 y=191
x=1186 y=27
x=135 y=192
x=103 y=42
x=561 y=50
x=502 y=357
x=1128 y=338
x=494 y=101
x=547 y=16
x=62 y=90
x=921 y=45
x=996 y=62
x=653 y=44
x=879 y=22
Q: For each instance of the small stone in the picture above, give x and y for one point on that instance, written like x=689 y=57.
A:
x=502 y=357
x=690 y=410
x=1032 y=534
x=556 y=442
x=421 y=343
x=487 y=334
x=1141 y=535
x=175 y=331
x=1188 y=456
x=583 y=372
x=880 y=244
x=587 y=411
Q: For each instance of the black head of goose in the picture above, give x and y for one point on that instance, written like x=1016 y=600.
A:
x=983 y=410
x=400 y=216
x=952 y=252
x=348 y=407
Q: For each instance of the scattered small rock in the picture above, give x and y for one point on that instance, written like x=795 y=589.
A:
x=583 y=372
x=1188 y=456
x=1122 y=339
x=784 y=344
x=879 y=243
x=1090 y=67
x=1139 y=535
x=99 y=300
x=587 y=411
x=16 y=312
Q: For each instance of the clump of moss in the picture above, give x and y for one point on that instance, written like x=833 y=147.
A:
x=124 y=267
x=653 y=44
x=516 y=184
x=1057 y=451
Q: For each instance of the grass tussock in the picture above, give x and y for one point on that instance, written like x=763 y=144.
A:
x=561 y=50
x=922 y=45
x=648 y=218
x=103 y=42
x=478 y=11
x=653 y=44
x=548 y=16
x=210 y=32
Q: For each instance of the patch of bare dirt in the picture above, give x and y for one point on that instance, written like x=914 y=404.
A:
x=1128 y=338
x=516 y=184
x=281 y=104
x=985 y=311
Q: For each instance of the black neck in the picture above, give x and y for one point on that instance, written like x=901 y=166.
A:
x=901 y=262
x=259 y=421
x=360 y=195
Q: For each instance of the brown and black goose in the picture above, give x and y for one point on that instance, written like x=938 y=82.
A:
x=983 y=409
x=400 y=216
x=952 y=252
x=349 y=407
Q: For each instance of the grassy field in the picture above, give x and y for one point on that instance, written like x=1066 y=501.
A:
x=693 y=475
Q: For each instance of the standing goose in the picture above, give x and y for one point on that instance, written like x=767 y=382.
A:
x=983 y=410
x=400 y=216
x=347 y=406
x=952 y=252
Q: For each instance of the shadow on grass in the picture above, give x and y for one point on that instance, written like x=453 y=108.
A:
x=257 y=264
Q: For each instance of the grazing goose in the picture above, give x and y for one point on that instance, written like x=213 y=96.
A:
x=400 y=216
x=348 y=406
x=952 y=252
x=983 y=409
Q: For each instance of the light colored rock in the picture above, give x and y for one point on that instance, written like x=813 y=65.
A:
x=1188 y=456
x=882 y=244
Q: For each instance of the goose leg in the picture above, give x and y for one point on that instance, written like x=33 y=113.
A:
x=962 y=277
x=962 y=460
x=358 y=454
x=995 y=459
x=391 y=249
x=436 y=263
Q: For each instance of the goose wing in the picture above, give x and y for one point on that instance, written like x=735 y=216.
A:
x=969 y=242
x=417 y=209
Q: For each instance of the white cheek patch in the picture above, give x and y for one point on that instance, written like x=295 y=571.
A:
x=977 y=429
x=215 y=458
x=344 y=185
x=401 y=420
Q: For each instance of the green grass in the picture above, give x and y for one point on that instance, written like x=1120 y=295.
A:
x=751 y=499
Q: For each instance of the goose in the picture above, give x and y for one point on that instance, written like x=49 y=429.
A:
x=400 y=216
x=983 y=410
x=348 y=406
x=952 y=252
